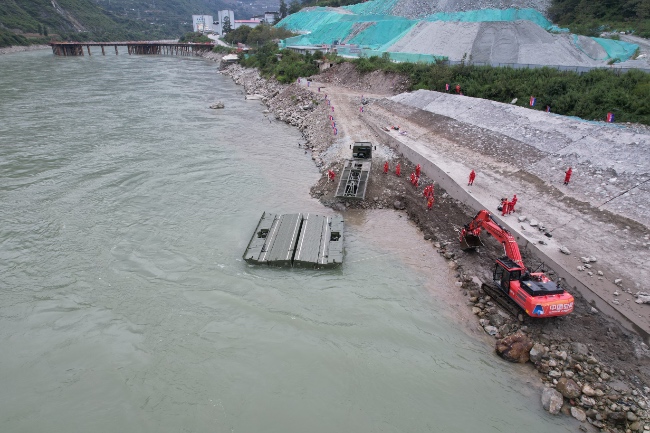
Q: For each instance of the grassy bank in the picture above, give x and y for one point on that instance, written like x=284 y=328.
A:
x=589 y=96
x=592 y=17
x=286 y=66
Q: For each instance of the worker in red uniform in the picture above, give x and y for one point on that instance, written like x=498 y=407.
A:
x=472 y=176
x=567 y=176
x=386 y=167
x=413 y=178
x=417 y=170
x=417 y=182
x=331 y=175
x=430 y=203
x=425 y=192
x=511 y=208
x=458 y=88
x=504 y=206
x=398 y=170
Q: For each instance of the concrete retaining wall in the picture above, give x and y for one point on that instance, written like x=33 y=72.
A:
x=458 y=193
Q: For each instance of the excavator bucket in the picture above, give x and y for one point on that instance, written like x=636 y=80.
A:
x=469 y=242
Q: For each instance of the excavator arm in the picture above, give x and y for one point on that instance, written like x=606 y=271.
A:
x=484 y=220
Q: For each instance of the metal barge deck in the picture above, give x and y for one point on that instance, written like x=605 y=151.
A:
x=299 y=240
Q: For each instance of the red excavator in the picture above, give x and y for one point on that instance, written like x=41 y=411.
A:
x=532 y=291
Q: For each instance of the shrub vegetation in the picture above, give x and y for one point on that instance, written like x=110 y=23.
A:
x=285 y=65
x=588 y=96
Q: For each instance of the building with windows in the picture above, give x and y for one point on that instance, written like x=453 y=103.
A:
x=202 y=23
x=227 y=15
x=271 y=17
x=253 y=22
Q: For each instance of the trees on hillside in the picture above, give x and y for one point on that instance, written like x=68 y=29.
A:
x=283 y=9
x=294 y=6
x=226 y=26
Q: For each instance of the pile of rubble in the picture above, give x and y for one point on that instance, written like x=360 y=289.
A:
x=576 y=383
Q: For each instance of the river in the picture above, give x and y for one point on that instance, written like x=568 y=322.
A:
x=126 y=306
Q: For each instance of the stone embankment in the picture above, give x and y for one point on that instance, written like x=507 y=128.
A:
x=576 y=382
x=598 y=381
x=294 y=105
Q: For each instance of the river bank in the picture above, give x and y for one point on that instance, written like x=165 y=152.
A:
x=20 y=49
x=594 y=369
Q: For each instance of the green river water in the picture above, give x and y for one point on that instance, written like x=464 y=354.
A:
x=126 y=205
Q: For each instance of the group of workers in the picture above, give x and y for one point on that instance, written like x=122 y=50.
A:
x=507 y=206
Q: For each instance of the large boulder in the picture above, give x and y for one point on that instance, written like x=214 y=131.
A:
x=568 y=388
x=537 y=353
x=578 y=414
x=552 y=401
x=514 y=348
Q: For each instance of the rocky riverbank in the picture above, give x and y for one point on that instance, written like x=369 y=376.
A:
x=591 y=368
x=20 y=48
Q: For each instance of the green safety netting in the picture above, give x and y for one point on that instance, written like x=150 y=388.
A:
x=308 y=19
x=382 y=33
x=617 y=50
x=382 y=7
x=488 y=15
x=325 y=34
x=371 y=26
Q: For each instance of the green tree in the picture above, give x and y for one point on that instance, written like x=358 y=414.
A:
x=283 y=9
x=44 y=30
x=40 y=29
x=226 y=26
x=238 y=35
x=294 y=7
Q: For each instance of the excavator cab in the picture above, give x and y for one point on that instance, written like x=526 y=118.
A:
x=506 y=271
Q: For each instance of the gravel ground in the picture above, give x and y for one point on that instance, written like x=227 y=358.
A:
x=499 y=42
x=421 y=8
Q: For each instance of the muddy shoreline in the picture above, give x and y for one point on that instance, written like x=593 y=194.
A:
x=593 y=369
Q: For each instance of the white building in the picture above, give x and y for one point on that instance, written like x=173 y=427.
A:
x=202 y=23
x=271 y=17
x=221 y=15
x=253 y=22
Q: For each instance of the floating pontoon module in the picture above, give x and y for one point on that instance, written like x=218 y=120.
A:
x=300 y=240
x=354 y=179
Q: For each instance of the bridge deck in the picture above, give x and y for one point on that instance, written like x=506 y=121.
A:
x=133 y=47
x=299 y=240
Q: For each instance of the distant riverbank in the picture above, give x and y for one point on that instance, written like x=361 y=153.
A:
x=20 y=48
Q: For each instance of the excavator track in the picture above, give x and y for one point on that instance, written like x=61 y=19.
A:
x=502 y=299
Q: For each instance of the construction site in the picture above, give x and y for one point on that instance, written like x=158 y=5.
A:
x=590 y=236
x=514 y=33
x=579 y=248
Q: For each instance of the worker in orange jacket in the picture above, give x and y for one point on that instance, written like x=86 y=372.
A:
x=567 y=176
x=386 y=167
x=511 y=208
x=430 y=203
x=504 y=206
x=398 y=170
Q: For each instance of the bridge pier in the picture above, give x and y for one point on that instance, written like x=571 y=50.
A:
x=144 y=48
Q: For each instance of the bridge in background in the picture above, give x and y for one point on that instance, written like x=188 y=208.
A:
x=140 y=47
